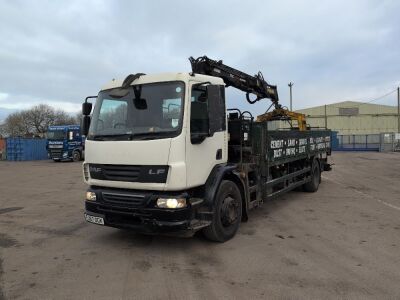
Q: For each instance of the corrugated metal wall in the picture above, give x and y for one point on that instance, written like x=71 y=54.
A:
x=371 y=118
x=26 y=149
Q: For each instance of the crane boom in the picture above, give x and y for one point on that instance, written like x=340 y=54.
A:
x=250 y=84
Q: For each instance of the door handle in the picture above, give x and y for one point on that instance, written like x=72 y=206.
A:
x=218 y=156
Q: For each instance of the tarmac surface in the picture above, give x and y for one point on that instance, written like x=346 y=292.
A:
x=340 y=242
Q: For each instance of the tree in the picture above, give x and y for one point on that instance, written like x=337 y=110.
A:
x=78 y=118
x=36 y=120
x=40 y=117
x=16 y=124
x=63 y=118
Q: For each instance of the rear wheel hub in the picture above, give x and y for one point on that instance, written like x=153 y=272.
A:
x=229 y=211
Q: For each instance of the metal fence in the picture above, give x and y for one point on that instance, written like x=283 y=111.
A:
x=366 y=142
x=390 y=142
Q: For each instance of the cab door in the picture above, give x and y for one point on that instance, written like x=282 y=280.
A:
x=206 y=141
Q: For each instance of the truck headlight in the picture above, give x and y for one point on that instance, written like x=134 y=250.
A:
x=171 y=202
x=91 y=196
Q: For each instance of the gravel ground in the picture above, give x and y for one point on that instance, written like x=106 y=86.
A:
x=341 y=242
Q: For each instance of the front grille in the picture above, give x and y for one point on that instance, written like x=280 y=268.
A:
x=116 y=172
x=56 y=153
x=129 y=173
x=123 y=200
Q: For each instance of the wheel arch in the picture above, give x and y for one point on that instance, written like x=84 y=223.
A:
x=224 y=172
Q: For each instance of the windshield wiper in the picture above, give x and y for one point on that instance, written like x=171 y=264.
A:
x=150 y=135
x=131 y=136
x=103 y=137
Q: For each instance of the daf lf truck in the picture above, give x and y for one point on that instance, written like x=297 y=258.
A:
x=165 y=155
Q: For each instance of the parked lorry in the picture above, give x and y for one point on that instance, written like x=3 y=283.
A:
x=65 y=142
x=164 y=155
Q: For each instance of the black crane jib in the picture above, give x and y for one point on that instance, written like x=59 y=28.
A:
x=250 y=84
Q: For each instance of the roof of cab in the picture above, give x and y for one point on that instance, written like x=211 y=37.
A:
x=115 y=83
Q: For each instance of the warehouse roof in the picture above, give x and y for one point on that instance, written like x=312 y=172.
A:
x=347 y=108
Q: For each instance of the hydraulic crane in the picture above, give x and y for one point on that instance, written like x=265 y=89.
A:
x=255 y=85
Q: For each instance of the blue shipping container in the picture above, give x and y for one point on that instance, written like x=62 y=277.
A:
x=334 y=140
x=26 y=149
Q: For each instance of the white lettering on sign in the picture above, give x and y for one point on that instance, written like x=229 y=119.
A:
x=311 y=140
x=277 y=153
x=291 y=143
x=290 y=151
x=302 y=142
x=312 y=147
x=276 y=144
x=302 y=149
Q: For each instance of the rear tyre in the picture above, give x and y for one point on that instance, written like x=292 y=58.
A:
x=227 y=213
x=312 y=186
x=76 y=156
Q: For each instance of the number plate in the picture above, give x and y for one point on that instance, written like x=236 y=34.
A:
x=95 y=220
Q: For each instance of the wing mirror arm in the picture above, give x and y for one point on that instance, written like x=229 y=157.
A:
x=86 y=111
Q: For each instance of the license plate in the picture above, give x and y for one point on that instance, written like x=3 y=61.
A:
x=95 y=220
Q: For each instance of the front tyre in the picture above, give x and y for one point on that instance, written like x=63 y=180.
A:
x=227 y=213
x=76 y=156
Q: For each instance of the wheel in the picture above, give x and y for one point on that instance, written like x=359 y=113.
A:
x=76 y=156
x=312 y=186
x=227 y=213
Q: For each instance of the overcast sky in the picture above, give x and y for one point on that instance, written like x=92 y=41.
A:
x=59 y=52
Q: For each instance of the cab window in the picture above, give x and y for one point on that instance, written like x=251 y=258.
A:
x=199 y=111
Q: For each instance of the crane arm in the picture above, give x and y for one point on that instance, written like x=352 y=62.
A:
x=255 y=85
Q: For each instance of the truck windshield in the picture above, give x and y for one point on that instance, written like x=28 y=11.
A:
x=148 y=111
x=56 y=135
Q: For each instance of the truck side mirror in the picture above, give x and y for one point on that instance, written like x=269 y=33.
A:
x=86 y=108
x=85 y=125
x=216 y=108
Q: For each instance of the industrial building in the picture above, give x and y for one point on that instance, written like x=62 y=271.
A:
x=354 y=118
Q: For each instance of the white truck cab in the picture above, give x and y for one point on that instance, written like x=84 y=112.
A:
x=158 y=131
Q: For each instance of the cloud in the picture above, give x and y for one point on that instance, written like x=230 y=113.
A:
x=3 y=97
x=26 y=102
x=332 y=51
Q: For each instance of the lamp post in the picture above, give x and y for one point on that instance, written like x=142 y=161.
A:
x=290 y=90
x=398 y=109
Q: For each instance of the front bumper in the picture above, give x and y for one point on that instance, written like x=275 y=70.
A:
x=59 y=154
x=143 y=216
